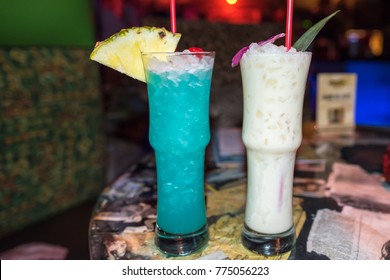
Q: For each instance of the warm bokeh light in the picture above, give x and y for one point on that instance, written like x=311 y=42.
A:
x=376 y=42
x=231 y=2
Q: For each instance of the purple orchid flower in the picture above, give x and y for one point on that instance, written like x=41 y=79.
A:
x=237 y=57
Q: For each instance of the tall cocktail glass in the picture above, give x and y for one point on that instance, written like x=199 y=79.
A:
x=179 y=131
x=274 y=82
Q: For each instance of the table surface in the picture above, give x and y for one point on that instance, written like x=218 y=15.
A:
x=123 y=222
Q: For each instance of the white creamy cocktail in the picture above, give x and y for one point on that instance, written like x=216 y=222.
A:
x=274 y=82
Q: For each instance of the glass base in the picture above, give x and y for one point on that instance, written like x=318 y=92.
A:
x=181 y=245
x=268 y=244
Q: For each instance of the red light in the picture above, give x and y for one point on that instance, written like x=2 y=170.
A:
x=231 y=2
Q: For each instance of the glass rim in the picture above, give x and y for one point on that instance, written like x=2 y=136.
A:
x=177 y=53
x=281 y=54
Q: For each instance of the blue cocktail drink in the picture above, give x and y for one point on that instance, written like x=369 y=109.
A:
x=178 y=92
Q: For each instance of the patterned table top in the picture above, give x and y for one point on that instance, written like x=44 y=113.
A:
x=123 y=223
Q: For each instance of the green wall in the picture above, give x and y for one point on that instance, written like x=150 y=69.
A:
x=46 y=23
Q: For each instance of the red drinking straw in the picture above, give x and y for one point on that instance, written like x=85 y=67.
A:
x=289 y=19
x=173 y=16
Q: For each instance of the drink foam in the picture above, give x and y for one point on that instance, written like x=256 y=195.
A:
x=269 y=48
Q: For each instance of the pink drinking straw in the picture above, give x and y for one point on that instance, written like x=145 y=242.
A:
x=289 y=23
x=173 y=16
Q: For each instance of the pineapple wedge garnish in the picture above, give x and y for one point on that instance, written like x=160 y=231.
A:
x=122 y=51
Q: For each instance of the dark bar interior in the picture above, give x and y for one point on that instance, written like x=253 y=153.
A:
x=70 y=127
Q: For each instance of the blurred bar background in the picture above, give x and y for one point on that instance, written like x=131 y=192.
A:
x=69 y=126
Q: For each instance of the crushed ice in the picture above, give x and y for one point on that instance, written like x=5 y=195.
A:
x=185 y=61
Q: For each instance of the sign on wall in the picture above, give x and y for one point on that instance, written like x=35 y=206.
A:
x=336 y=95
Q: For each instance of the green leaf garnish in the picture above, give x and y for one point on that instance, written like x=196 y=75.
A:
x=307 y=38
